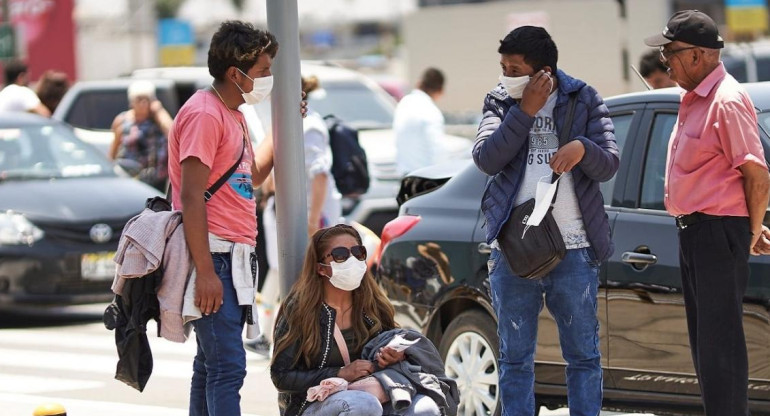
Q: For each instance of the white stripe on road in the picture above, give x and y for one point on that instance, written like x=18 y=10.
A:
x=95 y=363
x=106 y=341
x=30 y=384
x=18 y=404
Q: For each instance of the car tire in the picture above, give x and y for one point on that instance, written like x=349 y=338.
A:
x=469 y=348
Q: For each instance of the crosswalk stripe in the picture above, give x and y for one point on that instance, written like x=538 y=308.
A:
x=95 y=363
x=16 y=404
x=31 y=384
x=83 y=341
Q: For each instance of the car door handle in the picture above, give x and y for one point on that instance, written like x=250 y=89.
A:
x=631 y=257
x=484 y=248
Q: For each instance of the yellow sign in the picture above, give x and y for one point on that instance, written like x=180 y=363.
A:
x=747 y=19
x=182 y=55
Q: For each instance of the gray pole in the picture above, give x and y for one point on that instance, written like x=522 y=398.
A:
x=290 y=193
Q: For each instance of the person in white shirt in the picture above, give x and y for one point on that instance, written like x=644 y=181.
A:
x=419 y=124
x=16 y=96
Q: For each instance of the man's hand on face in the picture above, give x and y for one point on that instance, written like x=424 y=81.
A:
x=536 y=93
x=303 y=106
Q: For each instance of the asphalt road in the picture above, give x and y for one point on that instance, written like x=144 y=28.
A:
x=68 y=357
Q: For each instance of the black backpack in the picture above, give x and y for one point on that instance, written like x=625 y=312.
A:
x=349 y=166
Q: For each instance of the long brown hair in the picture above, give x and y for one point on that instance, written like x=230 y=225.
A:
x=305 y=302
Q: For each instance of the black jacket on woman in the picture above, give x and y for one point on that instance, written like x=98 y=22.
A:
x=293 y=381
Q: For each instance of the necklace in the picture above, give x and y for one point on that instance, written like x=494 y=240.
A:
x=243 y=128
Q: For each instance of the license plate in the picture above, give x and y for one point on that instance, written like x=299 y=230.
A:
x=97 y=266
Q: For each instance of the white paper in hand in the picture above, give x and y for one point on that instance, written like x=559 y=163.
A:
x=399 y=344
x=543 y=198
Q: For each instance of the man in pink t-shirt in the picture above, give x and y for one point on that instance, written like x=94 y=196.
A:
x=717 y=186
x=207 y=138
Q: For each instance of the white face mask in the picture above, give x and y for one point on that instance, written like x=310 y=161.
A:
x=514 y=85
x=347 y=275
x=262 y=88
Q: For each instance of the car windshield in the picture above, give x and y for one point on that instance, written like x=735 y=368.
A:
x=354 y=103
x=44 y=151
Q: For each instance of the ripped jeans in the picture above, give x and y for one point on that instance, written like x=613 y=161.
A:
x=570 y=293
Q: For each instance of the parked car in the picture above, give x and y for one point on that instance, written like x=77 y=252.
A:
x=63 y=206
x=90 y=106
x=434 y=269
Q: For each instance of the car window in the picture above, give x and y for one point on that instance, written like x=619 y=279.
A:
x=764 y=122
x=354 y=103
x=622 y=123
x=96 y=109
x=763 y=68
x=736 y=66
x=655 y=161
x=47 y=151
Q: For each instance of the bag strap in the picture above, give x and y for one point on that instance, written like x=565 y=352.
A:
x=564 y=134
x=343 y=347
x=221 y=181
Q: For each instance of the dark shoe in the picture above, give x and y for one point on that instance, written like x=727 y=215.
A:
x=260 y=346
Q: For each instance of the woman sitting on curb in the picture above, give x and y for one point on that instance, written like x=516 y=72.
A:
x=334 y=291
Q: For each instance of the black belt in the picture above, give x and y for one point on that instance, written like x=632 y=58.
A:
x=684 y=221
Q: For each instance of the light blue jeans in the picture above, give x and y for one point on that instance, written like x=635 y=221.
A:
x=570 y=294
x=220 y=364
x=356 y=402
x=347 y=403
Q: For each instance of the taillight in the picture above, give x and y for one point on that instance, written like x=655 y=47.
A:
x=396 y=228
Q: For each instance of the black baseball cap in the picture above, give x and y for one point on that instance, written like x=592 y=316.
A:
x=689 y=26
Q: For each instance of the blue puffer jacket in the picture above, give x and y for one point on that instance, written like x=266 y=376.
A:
x=502 y=144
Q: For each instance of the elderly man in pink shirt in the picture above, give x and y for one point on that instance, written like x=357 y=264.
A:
x=717 y=187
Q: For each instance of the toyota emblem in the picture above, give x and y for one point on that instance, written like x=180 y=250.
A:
x=100 y=233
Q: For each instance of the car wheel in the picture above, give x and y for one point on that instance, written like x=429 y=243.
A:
x=469 y=348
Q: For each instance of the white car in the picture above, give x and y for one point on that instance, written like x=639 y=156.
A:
x=347 y=94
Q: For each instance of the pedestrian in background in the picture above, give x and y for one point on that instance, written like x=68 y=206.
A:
x=207 y=136
x=140 y=135
x=516 y=145
x=717 y=186
x=51 y=87
x=17 y=96
x=419 y=124
x=653 y=71
x=323 y=200
x=323 y=205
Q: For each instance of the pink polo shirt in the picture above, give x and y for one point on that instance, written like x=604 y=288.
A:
x=716 y=133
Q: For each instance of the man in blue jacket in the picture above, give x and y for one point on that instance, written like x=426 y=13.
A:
x=517 y=144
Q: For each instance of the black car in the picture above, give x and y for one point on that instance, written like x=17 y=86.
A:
x=434 y=269
x=63 y=206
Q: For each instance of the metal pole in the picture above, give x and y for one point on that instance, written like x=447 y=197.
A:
x=290 y=193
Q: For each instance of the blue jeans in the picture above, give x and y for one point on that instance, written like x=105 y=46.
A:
x=570 y=294
x=220 y=364
x=346 y=403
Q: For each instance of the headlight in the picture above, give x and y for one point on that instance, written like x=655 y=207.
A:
x=16 y=229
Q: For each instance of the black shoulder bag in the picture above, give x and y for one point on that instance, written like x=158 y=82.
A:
x=532 y=252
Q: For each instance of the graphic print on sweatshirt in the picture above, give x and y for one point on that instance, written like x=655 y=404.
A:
x=543 y=145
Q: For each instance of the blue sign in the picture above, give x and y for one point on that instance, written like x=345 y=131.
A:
x=746 y=3
x=175 y=32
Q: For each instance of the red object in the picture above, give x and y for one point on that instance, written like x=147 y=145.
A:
x=394 y=229
x=47 y=34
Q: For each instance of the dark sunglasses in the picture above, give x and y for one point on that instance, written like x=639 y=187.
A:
x=341 y=254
